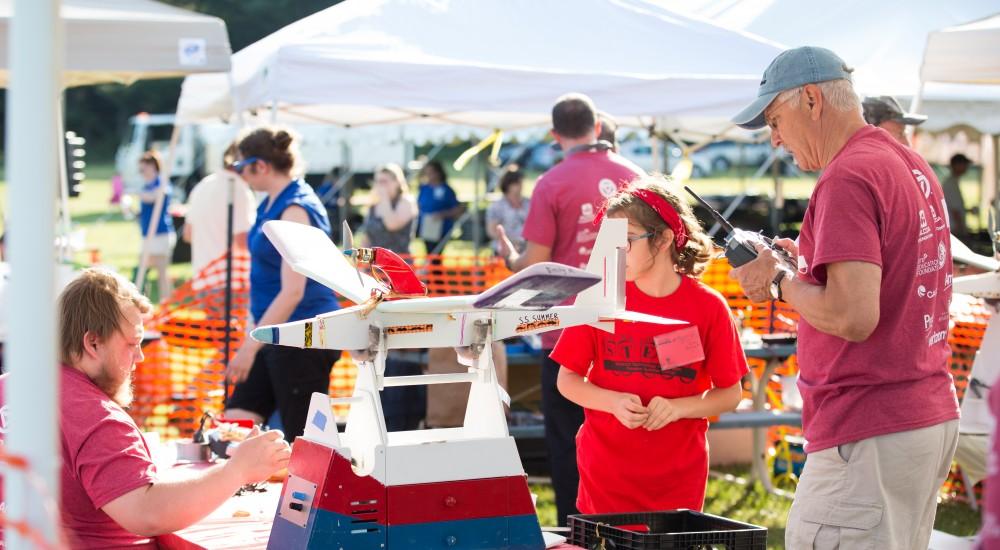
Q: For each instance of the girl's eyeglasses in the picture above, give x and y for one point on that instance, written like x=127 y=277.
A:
x=632 y=239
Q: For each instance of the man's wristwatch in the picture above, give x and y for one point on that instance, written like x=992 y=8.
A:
x=776 y=285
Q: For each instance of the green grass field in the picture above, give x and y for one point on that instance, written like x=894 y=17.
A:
x=116 y=240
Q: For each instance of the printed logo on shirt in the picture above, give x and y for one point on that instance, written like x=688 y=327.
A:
x=923 y=292
x=925 y=229
x=585 y=235
x=928 y=322
x=606 y=187
x=939 y=222
x=947 y=280
x=926 y=264
x=937 y=337
x=925 y=184
x=586 y=213
x=623 y=356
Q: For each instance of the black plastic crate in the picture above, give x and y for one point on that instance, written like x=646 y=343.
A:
x=675 y=529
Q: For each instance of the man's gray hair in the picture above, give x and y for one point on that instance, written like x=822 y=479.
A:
x=839 y=94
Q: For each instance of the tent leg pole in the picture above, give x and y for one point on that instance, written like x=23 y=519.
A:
x=65 y=253
x=227 y=313
x=32 y=394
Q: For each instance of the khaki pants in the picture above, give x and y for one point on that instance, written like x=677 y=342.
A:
x=879 y=492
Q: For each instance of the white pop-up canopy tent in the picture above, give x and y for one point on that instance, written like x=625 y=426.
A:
x=122 y=41
x=493 y=64
x=883 y=41
x=969 y=54
x=125 y=40
x=965 y=60
x=92 y=40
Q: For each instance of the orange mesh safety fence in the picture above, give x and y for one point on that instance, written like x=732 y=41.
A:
x=762 y=318
x=182 y=373
x=969 y=317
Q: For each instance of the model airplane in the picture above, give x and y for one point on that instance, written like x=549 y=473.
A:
x=457 y=487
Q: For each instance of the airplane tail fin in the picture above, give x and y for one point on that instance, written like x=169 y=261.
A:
x=607 y=260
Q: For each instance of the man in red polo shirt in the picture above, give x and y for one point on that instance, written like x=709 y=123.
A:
x=560 y=228
x=111 y=495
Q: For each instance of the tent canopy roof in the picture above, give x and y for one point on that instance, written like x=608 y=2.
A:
x=498 y=63
x=882 y=40
x=967 y=53
x=125 y=40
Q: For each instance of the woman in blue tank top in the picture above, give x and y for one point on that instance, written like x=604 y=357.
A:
x=278 y=378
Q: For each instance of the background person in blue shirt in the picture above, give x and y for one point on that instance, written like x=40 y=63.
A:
x=438 y=205
x=161 y=245
x=279 y=378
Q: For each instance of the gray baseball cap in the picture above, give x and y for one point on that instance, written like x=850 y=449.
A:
x=792 y=68
x=879 y=109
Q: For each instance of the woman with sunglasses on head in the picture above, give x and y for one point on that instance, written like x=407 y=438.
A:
x=648 y=389
x=278 y=378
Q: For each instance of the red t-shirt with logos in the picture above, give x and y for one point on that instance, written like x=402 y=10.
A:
x=565 y=202
x=104 y=456
x=878 y=202
x=629 y=470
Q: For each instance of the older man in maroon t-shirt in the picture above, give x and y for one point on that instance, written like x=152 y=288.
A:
x=873 y=288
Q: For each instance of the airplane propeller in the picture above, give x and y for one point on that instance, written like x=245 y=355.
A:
x=350 y=251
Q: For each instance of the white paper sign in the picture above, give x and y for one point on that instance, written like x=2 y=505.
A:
x=191 y=52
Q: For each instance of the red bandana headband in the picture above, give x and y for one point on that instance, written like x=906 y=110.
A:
x=665 y=211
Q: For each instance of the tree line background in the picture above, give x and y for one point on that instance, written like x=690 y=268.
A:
x=100 y=113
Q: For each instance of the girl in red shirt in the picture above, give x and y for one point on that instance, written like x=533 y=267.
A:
x=648 y=389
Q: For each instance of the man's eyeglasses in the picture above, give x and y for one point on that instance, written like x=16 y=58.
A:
x=632 y=239
x=770 y=110
x=239 y=165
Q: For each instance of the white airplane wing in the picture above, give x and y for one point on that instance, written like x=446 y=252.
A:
x=636 y=317
x=311 y=252
x=540 y=286
x=963 y=254
x=982 y=285
x=440 y=304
